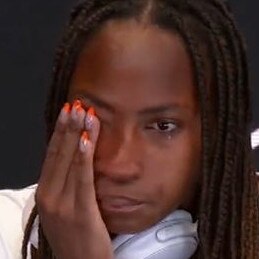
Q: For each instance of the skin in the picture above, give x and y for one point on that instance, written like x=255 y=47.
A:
x=135 y=170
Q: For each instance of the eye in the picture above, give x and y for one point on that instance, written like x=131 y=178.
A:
x=163 y=126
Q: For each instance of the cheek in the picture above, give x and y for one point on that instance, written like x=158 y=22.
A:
x=173 y=171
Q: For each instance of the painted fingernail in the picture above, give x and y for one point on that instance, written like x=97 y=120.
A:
x=84 y=141
x=91 y=111
x=89 y=118
x=77 y=103
x=64 y=112
x=76 y=109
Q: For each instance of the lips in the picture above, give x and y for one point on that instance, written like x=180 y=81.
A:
x=119 y=204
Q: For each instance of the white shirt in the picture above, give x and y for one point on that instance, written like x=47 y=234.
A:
x=15 y=207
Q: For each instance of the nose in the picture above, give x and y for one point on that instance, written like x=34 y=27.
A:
x=117 y=156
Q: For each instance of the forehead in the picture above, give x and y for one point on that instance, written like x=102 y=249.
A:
x=127 y=59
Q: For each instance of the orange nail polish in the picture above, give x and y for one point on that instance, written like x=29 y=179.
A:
x=77 y=104
x=91 y=111
x=89 y=118
x=85 y=136
x=76 y=109
x=63 y=116
x=79 y=108
x=83 y=146
x=66 y=107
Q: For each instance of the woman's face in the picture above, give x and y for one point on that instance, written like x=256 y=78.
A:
x=139 y=79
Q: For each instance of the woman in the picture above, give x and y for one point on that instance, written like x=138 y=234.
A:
x=155 y=121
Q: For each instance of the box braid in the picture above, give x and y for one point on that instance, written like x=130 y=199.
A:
x=230 y=140
x=228 y=209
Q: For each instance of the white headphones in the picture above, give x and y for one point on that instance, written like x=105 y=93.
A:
x=175 y=237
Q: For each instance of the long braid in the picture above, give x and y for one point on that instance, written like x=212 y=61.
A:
x=27 y=231
x=230 y=81
x=241 y=112
x=228 y=197
x=221 y=81
x=247 y=179
x=236 y=62
x=251 y=221
x=240 y=116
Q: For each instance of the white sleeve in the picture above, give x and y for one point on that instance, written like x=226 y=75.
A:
x=12 y=203
x=4 y=253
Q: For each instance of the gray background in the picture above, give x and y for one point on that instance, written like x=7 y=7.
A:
x=29 y=32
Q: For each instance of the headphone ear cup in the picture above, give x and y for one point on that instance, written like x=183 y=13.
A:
x=173 y=237
x=183 y=248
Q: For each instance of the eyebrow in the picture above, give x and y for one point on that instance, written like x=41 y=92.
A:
x=146 y=111
x=96 y=101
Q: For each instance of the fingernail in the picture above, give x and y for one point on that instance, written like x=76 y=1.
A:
x=89 y=118
x=91 y=111
x=77 y=103
x=76 y=109
x=64 y=112
x=84 y=142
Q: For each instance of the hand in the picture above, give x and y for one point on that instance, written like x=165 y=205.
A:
x=65 y=196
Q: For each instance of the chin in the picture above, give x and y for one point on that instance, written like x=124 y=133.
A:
x=130 y=219
x=124 y=227
x=117 y=225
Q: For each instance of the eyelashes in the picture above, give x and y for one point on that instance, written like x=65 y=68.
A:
x=163 y=126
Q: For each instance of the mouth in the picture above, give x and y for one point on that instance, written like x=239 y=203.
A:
x=117 y=204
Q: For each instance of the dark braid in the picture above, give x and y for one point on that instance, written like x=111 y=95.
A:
x=251 y=221
x=27 y=231
x=225 y=55
x=228 y=210
x=221 y=77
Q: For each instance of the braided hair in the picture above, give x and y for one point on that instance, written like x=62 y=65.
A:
x=227 y=209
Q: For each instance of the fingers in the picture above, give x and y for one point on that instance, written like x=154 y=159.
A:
x=81 y=177
x=67 y=172
x=68 y=147
x=80 y=180
x=92 y=125
x=65 y=196
x=53 y=147
x=62 y=147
